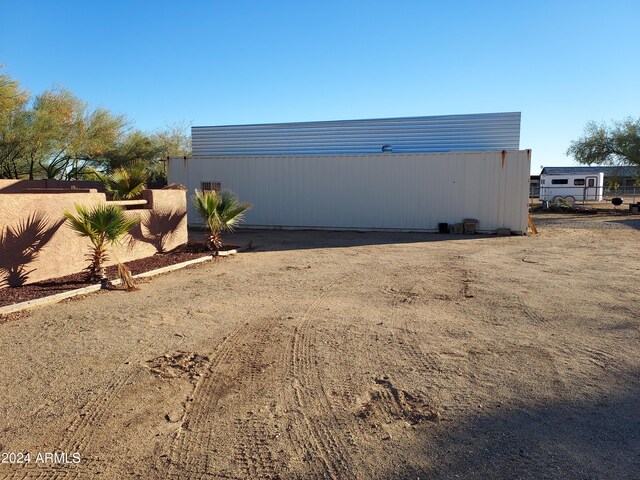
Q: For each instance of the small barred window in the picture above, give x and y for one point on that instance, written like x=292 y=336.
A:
x=211 y=187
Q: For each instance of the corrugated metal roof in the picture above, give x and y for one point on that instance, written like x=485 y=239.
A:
x=608 y=170
x=485 y=131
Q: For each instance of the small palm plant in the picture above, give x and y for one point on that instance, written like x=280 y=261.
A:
x=104 y=225
x=221 y=212
x=126 y=183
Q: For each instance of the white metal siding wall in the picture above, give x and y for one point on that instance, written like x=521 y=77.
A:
x=485 y=131
x=178 y=171
x=379 y=191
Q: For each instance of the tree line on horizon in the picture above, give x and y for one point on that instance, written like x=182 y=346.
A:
x=56 y=135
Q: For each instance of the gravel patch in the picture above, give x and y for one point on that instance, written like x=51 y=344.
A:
x=588 y=223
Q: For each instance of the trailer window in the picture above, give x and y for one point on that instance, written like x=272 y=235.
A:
x=578 y=181
x=560 y=181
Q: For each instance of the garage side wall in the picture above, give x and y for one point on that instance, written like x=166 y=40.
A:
x=375 y=191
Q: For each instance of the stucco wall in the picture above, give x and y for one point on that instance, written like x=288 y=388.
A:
x=38 y=245
x=14 y=186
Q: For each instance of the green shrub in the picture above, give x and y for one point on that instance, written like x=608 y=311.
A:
x=220 y=212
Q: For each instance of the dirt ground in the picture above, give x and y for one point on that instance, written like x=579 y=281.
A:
x=344 y=355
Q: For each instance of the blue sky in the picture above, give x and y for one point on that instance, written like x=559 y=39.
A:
x=561 y=63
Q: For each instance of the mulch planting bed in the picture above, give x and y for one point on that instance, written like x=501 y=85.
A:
x=191 y=251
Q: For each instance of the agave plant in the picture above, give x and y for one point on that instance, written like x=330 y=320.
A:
x=221 y=212
x=125 y=183
x=104 y=225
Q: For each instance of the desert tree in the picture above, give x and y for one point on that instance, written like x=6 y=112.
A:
x=81 y=137
x=602 y=144
x=13 y=127
x=57 y=135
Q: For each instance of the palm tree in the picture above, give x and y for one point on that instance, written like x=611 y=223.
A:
x=126 y=183
x=221 y=212
x=104 y=225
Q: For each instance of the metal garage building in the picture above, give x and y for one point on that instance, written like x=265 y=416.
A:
x=396 y=174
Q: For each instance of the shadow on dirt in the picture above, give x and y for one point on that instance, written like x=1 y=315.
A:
x=595 y=438
x=282 y=240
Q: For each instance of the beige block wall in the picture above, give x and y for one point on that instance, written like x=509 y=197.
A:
x=163 y=226
x=14 y=186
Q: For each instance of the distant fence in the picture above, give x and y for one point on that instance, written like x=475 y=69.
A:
x=610 y=192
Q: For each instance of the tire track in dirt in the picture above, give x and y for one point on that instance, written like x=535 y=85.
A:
x=78 y=435
x=424 y=363
x=32 y=472
x=189 y=452
x=312 y=421
x=256 y=434
x=247 y=357
x=455 y=281
x=317 y=414
x=517 y=299
x=241 y=357
x=601 y=357
x=451 y=281
x=253 y=453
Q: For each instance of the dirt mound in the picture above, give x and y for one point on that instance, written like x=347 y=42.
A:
x=384 y=398
x=179 y=364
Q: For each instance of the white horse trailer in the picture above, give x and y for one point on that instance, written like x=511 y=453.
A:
x=585 y=187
